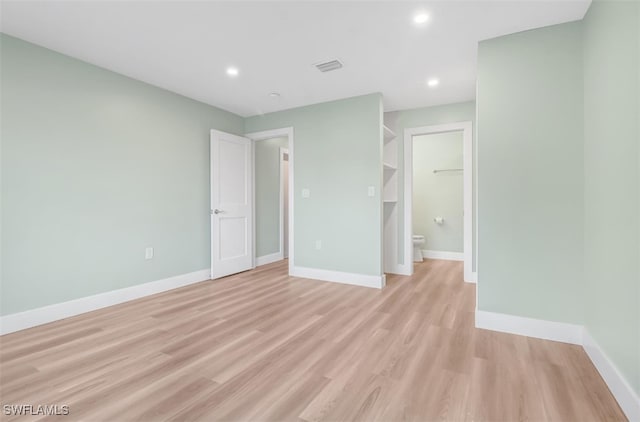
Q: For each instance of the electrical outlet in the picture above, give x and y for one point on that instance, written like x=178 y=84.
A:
x=148 y=253
x=318 y=244
x=306 y=193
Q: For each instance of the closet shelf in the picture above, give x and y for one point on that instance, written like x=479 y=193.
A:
x=388 y=134
x=389 y=196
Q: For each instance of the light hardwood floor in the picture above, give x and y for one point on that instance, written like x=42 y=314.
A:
x=267 y=347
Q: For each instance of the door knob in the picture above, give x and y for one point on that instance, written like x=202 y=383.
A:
x=217 y=211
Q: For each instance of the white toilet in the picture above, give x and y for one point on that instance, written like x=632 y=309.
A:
x=418 y=242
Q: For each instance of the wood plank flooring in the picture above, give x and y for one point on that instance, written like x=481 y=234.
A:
x=263 y=346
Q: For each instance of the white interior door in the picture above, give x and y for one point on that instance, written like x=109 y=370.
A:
x=231 y=204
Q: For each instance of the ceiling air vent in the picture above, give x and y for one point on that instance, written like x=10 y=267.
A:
x=329 y=66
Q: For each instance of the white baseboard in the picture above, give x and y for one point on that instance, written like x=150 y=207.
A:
x=27 y=319
x=471 y=277
x=375 y=281
x=538 y=328
x=399 y=269
x=624 y=394
x=628 y=400
x=268 y=259
x=449 y=256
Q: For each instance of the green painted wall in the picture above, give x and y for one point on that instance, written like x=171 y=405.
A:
x=612 y=181
x=398 y=121
x=267 y=159
x=96 y=167
x=337 y=155
x=438 y=194
x=530 y=174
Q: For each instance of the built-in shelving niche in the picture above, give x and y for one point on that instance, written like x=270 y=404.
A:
x=390 y=200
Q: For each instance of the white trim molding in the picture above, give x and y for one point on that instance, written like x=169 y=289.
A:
x=624 y=394
x=400 y=269
x=34 y=317
x=375 y=281
x=268 y=259
x=530 y=327
x=467 y=157
x=626 y=397
x=446 y=255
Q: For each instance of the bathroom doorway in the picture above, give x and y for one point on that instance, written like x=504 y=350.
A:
x=443 y=196
x=437 y=212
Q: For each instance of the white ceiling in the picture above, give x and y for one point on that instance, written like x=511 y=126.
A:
x=186 y=46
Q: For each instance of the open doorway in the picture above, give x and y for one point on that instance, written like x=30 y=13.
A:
x=438 y=192
x=284 y=201
x=441 y=229
x=273 y=188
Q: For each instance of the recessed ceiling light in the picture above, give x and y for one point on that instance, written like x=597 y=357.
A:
x=420 y=18
x=274 y=95
x=433 y=82
x=232 y=71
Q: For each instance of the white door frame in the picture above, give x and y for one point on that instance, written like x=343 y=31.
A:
x=269 y=134
x=466 y=127
x=283 y=152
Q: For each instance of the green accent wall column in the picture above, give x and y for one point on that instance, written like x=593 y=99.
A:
x=530 y=174
x=559 y=177
x=612 y=181
x=337 y=155
x=95 y=168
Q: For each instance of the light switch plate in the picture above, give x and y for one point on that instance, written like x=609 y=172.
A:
x=371 y=191
x=306 y=193
x=148 y=253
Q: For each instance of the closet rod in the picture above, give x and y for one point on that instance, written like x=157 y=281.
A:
x=441 y=170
